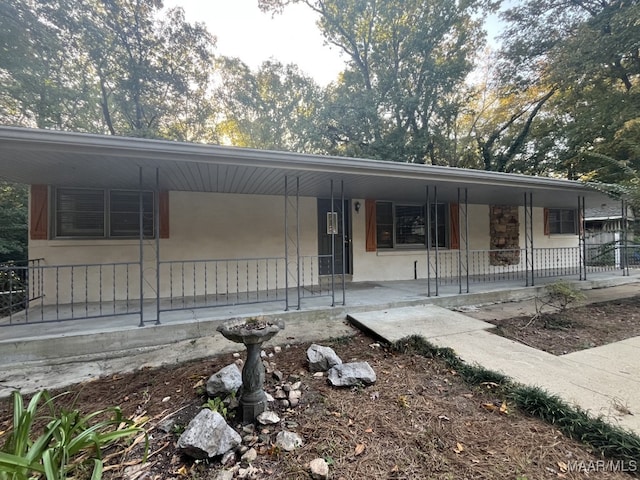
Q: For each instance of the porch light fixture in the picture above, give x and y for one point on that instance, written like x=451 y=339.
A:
x=356 y=206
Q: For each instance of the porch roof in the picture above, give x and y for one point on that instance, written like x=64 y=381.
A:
x=34 y=156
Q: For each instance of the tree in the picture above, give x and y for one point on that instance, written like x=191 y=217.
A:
x=274 y=108
x=13 y=221
x=404 y=57
x=589 y=50
x=115 y=66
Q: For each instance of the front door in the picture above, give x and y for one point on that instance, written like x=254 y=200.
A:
x=328 y=223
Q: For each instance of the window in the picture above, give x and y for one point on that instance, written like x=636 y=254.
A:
x=89 y=213
x=404 y=226
x=562 y=221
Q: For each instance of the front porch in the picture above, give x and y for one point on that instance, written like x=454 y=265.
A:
x=112 y=336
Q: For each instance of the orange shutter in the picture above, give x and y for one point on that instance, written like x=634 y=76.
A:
x=370 y=222
x=163 y=209
x=39 y=213
x=454 y=226
x=547 y=231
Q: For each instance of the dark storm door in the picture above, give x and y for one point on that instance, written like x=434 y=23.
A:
x=328 y=223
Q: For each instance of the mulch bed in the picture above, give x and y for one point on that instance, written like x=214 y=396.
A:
x=576 y=328
x=419 y=420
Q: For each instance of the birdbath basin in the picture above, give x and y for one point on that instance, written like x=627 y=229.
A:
x=251 y=332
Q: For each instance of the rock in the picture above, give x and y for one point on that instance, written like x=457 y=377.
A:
x=296 y=386
x=167 y=425
x=279 y=394
x=249 y=473
x=294 y=397
x=249 y=456
x=224 y=475
x=228 y=380
x=278 y=375
x=228 y=459
x=322 y=358
x=277 y=349
x=208 y=435
x=318 y=375
x=319 y=469
x=350 y=374
x=269 y=397
x=283 y=403
x=288 y=441
x=268 y=418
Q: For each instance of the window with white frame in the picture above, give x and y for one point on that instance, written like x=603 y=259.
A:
x=562 y=221
x=404 y=226
x=100 y=213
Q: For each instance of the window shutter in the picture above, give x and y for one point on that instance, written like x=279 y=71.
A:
x=370 y=222
x=547 y=231
x=163 y=208
x=39 y=213
x=454 y=226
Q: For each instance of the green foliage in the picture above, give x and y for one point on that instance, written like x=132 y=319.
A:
x=113 y=67
x=609 y=440
x=217 y=404
x=67 y=443
x=406 y=61
x=561 y=294
x=13 y=222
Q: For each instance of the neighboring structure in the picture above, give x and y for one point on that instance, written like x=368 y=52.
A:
x=116 y=221
x=610 y=235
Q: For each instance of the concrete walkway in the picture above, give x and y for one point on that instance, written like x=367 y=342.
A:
x=604 y=380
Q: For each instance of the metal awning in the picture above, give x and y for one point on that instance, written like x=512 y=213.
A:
x=34 y=156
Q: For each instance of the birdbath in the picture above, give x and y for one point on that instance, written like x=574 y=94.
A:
x=251 y=332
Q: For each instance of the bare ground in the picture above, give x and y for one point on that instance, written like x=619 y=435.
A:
x=574 y=329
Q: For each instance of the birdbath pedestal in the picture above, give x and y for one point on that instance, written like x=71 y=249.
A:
x=252 y=333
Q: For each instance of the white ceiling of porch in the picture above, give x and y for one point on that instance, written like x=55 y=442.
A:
x=71 y=159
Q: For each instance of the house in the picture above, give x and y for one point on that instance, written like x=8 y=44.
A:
x=609 y=235
x=122 y=226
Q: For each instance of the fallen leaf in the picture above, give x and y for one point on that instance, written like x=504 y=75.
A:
x=490 y=384
x=369 y=430
x=359 y=449
x=395 y=469
x=459 y=448
x=183 y=471
x=503 y=408
x=563 y=467
x=349 y=423
x=375 y=395
x=199 y=384
x=443 y=417
x=489 y=406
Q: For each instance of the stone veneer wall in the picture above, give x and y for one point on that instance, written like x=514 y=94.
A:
x=504 y=235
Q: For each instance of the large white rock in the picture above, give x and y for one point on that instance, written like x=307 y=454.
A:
x=351 y=374
x=322 y=358
x=227 y=380
x=288 y=441
x=208 y=435
x=319 y=469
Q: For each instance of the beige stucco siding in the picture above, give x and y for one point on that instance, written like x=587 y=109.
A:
x=203 y=226
x=399 y=264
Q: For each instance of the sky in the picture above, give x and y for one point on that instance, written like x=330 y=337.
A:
x=243 y=31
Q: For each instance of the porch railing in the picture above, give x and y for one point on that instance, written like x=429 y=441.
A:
x=67 y=292
x=219 y=282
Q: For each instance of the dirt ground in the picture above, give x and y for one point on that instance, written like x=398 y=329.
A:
x=419 y=420
x=574 y=329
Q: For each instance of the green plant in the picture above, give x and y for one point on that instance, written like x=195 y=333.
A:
x=561 y=294
x=216 y=404
x=69 y=440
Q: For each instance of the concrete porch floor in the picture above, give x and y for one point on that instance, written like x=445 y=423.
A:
x=30 y=355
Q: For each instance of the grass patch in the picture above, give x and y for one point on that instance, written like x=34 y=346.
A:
x=608 y=440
